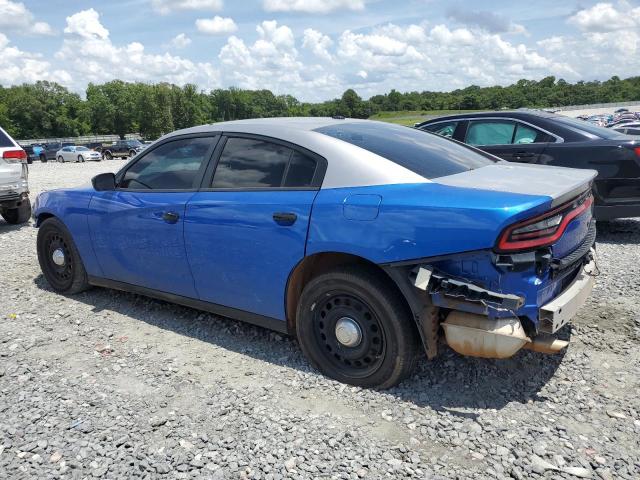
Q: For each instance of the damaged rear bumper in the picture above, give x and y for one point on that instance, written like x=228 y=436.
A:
x=558 y=312
x=471 y=326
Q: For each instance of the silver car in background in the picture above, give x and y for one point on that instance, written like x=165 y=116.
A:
x=77 y=154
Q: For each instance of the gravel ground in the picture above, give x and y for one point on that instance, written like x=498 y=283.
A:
x=113 y=385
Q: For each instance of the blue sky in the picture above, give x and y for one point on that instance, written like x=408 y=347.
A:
x=315 y=49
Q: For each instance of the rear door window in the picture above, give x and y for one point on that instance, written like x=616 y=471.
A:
x=247 y=163
x=490 y=132
x=526 y=134
x=5 y=141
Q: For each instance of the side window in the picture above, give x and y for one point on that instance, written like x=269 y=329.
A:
x=251 y=163
x=445 y=129
x=172 y=166
x=490 y=132
x=526 y=134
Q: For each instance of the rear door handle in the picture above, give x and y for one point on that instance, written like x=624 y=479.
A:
x=285 y=218
x=170 y=217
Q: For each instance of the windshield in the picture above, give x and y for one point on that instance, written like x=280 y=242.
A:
x=82 y=149
x=590 y=128
x=426 y=154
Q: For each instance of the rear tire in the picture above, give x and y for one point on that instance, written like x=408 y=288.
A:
x=65 y=274
x=381 y=343
x=43 y=158
x=132 y=153
x=18 y=215
x=108 y=156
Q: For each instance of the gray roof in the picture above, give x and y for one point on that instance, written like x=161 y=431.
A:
x=347 y=165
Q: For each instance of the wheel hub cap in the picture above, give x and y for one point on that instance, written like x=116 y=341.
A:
x=58 y=257
x=348 y=332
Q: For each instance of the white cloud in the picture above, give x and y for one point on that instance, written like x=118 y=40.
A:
x=17 y=66
x=216 y=25
x=86 y=24
x=16 y=17
x=318 y=43
x=180 y=41
x=89 y=54
x=605 y=17
x=164 y=7
x=273 y=62
x=312 y=6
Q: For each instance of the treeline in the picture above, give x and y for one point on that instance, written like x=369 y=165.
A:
x=46 y=109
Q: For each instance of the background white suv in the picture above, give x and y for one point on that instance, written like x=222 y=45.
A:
x=15 y=206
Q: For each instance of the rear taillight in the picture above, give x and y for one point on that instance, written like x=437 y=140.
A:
x=14 y=156
x=543 y=230
x=637 y=150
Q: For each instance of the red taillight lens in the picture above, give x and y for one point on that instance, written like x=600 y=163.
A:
x=543 y=230
x=637 y=150
x=14 y=156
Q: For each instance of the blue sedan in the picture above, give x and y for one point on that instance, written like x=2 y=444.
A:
x=368 y=241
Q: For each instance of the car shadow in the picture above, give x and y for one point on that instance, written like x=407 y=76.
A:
x=451 y=382
x=9 y=227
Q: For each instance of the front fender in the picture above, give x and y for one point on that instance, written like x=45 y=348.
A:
x=71 y=208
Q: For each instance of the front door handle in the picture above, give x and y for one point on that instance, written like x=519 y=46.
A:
x=170 y=217
x=523 y=155
x=285 y=218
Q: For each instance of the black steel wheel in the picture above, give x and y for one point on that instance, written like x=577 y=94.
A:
x=351 y=334
x=354 y=326
x=59 y=258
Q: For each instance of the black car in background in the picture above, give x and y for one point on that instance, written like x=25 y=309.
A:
x=531 y=136
x=31 y=155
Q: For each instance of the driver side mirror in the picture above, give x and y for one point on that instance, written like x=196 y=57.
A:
x=104 y=182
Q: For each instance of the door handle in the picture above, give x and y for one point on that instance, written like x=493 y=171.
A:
x=285 y=218
x=523 y=155
x=170 y=217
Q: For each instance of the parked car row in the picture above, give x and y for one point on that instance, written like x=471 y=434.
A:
x=621 y=120
x=67 y=151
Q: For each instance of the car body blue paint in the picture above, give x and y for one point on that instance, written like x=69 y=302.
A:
x=227 y=249
x=135 y=245
x=417 y=220
x=361 y=207
x=240 y=257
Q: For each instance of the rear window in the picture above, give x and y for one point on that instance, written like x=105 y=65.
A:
x=428 y=155
x=590 y=128
x=5 y=141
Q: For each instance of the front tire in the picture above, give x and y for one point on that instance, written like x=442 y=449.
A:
x=18 y=215
x=132 y=153
x=354 y=326
x=59 y=258
x=60 y=159
x=80 y=159
x=43 y=158
x=108 y=156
